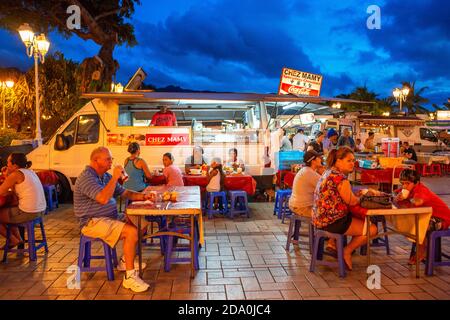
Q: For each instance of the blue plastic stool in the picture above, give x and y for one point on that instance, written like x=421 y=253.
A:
x=51 y=197
x=239 y=203
x=317 y=257
x=210 y=196
x=294 y=231
x=286 y=212
x=378 y=242
x=172 y=245
x=280 y=198
x=33 y=244
x=85 y=257
x=161 y=221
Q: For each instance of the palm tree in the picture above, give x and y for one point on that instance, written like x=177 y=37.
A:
x=414 y=101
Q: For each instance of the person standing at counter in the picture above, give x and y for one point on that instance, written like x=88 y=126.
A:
x=369 y=144
x=330 y=142
x=164 y=118
x=286 y=144
x=196 y=160
x=317 y=144
x=346 y=140
x=173 y=175
x=137 y=169
x=300 y=141
x=233 y=160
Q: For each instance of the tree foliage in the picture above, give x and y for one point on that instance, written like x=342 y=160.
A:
x=59 y=94
x=104 y=22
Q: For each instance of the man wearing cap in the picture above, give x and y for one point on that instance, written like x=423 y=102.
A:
x=317 y=143
x=305 y=182
x=331 y=140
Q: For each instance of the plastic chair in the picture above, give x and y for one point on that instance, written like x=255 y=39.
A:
x=378 y=242
x=51 y=196
x=435 y=251
x=210 y=197
x=286 y=212
x=33 y=245
x=238 y=203
x=317 y=256
x=294 y=231
x=172 y=245
x=280 y=199
x=85 y=257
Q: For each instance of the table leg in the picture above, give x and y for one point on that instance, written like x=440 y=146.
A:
x=140 y=245
x=417 y=247
x=192 y=245
x=368 y=239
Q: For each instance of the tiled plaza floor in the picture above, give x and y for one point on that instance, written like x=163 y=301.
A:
x=242 y=259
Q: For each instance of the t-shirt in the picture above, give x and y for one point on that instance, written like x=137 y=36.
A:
x=316 y=146
x=412 y=152
x=173 y=176
x=164 y=119
x=305 y=182
x=346 y=141
x=327 y=145
x=87 y=186
x=285 y=144
x=430 y=199
x=239 y=162
x=299 y=142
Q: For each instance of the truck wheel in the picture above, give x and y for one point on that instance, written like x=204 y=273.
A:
x=63 y=189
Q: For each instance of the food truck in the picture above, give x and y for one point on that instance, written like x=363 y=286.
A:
x=214 y=121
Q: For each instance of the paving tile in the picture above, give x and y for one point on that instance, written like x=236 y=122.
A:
x=234 y=292
x=208 y=288
x=291 y=295
x=403 y=288
x=250 y=284
x=189 y=296
x=258 y=295
x=224 y=281
x=396 y=296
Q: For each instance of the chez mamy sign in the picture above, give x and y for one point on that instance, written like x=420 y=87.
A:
x=166 y=139
x=299 y=83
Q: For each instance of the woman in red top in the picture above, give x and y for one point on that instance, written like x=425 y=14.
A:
x=420 y=196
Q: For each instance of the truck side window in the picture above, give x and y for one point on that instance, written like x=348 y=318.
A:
x=88 y=129
x=427 y=134
x=69 y=133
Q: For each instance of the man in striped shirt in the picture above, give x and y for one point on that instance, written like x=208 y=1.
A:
x=96 y=208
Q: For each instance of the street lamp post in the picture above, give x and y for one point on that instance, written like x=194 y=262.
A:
x=37 y=46
x=400 y=95
x=5 y=85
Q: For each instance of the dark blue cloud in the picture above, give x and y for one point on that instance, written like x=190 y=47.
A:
x=242 y=46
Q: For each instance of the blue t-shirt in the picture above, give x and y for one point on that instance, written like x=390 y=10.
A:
x=87 y=186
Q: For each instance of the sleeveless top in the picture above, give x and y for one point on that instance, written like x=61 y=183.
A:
x=136 y=177
x=328 y=204
x=214 y=184
x=30 y=193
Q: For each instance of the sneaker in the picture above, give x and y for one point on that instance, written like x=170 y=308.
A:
x=135 y=283
x=122 y=266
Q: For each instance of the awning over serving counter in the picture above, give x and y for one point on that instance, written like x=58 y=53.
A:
x=390 y=121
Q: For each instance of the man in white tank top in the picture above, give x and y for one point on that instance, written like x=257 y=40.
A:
x=27 y=187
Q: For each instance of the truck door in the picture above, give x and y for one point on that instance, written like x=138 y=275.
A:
x=82 y=135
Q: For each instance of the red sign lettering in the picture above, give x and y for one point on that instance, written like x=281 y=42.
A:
x=166 y=139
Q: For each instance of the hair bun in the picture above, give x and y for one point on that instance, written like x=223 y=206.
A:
x=28 y=165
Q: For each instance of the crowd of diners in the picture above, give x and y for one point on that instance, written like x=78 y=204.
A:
x=324 y=194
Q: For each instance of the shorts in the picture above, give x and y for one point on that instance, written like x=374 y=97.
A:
x=15 y=215
x=302 y=211
x=107 y=229
x=340 y=226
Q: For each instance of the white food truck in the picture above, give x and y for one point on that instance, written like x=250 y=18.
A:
x=215 y=121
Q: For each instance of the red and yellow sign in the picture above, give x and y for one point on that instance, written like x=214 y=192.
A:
x=166 y=139
x=299 y=83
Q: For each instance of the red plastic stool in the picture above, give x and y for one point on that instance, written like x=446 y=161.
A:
x=436 y=169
